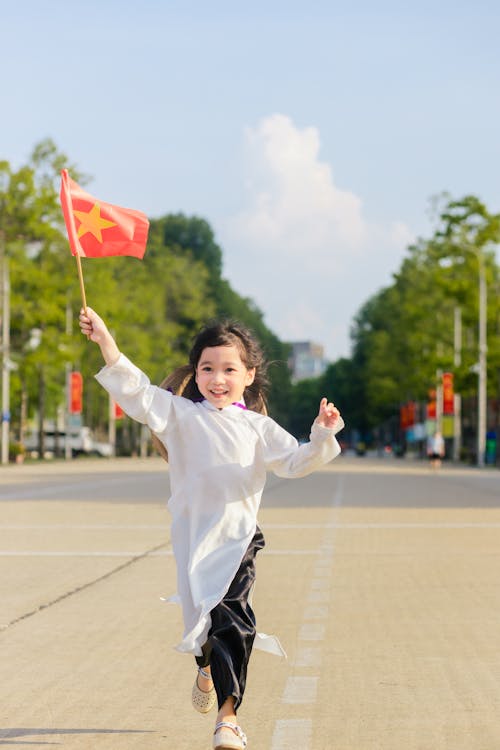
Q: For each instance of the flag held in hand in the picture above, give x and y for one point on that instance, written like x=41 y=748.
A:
x=97 y=229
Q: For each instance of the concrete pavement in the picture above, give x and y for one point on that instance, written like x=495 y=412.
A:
x=381 y=579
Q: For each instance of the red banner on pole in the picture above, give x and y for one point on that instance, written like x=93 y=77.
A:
x=431 y=410
x=407 y=414
x=75 y=393
x=448 y=393
x=412 y=413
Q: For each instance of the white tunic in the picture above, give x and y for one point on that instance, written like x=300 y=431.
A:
x=218 y=462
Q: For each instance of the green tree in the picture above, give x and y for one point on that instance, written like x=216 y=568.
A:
x=404 y=333
x=32 y=245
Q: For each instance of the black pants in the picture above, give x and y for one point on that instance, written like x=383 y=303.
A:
x=232 y=633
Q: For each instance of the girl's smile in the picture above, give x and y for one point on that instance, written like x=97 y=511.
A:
x=222 y=376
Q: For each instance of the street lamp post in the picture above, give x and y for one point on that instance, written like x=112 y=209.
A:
x=68 y=452
x=482 y=365
x=457 y=400
x=5 y=360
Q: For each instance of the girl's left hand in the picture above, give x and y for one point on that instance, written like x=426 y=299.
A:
x=328 y=415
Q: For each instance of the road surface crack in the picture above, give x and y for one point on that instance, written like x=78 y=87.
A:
x=78 y=589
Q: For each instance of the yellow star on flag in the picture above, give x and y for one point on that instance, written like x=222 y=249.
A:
x=93 y=222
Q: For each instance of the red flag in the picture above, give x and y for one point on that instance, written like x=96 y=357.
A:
x=96 y=229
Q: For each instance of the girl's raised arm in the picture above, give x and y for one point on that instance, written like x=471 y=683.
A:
x=92 y=326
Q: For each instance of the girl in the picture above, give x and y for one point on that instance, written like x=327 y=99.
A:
x=219 y=449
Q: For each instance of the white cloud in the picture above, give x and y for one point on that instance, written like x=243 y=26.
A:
x=301 y=246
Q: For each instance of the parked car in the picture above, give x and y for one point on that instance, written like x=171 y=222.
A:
x=80 y=439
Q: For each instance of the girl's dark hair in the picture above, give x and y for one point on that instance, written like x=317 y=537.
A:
x=220 y=333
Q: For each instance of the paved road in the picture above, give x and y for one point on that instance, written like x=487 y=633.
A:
x=380 y=577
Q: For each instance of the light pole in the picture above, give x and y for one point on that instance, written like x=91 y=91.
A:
x=482 y=364
x=5 y=352
x=457 y=400
x=481 y=367
x=68 y=452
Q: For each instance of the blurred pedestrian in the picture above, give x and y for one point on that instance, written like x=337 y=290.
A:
x=435 y=449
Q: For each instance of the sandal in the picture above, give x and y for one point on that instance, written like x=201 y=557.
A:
x=203 y=700
x=229 y=736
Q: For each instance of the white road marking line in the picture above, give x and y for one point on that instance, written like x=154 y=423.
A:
x=284 y=526
x=319 y=584
x=308 y=656
x=322 y=572
x=326 y=549
x=83 y=553
x=303 y=690
x=387 y=525
x=339 y=492
x=312 y=631
x=313 y=612
x=290 y=733
x=56 y=489
x=289 y=552
x=81 y=526
x=318 y=596
x=128 y=553
x=300 y=690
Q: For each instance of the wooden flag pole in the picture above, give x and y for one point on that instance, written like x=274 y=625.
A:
x=82 y=285
x=80 y=278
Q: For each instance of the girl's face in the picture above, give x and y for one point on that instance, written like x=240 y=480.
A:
x=222 y=376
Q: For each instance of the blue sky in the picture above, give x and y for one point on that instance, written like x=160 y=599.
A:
x=310 y=135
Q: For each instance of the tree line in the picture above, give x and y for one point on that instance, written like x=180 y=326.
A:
x=154 y=306
x=401 y=336
x=407 y=332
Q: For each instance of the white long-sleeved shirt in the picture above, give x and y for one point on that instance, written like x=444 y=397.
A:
x=218 y=461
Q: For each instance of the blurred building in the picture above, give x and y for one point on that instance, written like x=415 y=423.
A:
x=307 y=360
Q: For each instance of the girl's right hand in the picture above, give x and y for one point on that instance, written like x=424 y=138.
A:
x=95 y=329
x=92 y=326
